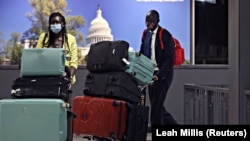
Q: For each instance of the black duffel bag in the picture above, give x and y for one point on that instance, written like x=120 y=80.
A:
x=107 y=56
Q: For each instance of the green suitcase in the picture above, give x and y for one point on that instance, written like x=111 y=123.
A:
x=33 y=120
x=141 y=67
x=42 y=62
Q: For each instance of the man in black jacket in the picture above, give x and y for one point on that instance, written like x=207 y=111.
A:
x=163 y=75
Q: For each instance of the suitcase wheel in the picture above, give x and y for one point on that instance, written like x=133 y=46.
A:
x=125 y=138
x=116 y=103
x=112 y=135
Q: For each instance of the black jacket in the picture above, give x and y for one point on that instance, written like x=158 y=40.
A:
x=164 y=57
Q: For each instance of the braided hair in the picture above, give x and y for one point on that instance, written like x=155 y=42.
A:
x=52 y=36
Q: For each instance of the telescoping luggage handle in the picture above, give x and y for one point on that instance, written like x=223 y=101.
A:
x=128 y=63
x=126 y=60
x=144 y=90
x=143 y=94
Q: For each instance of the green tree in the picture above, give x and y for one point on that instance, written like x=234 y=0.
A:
x=16 y=54
x=39 y=19
x=2 y=44
x=1 y=60
x=14 y=49
x=81 y=58
x=1 y=39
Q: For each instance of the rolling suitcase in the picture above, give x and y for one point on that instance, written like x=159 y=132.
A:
x=42 y=61
x=140 y=67
x=137 y=123
x=100 y=117
x=33 y=120
x=41 y=87
x=107 y=56
x=118 y=85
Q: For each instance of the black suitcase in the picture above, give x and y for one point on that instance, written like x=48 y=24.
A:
x=118 y=85
x=107 y=56
x=41 y=87
x=137 y=123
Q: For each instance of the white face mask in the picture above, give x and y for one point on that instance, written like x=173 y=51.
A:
x=56 y=28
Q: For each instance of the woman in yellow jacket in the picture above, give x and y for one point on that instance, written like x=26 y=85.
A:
x=57 y=37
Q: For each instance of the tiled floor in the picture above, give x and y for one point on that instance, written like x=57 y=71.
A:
x=80 y=138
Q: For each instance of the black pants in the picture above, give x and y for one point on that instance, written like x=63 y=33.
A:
x=157 y=95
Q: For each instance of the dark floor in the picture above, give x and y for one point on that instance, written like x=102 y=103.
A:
x=81 y=138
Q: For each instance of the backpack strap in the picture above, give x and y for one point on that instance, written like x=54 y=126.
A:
x=176 y=43
x=143 y=33
x=160 y=36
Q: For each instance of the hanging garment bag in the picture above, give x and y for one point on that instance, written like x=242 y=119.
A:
x=100 y=117
x=119 y=85
x=41 y=87
x=107 y=56
x=140 y=67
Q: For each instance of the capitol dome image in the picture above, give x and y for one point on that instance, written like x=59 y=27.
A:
x=99 y=30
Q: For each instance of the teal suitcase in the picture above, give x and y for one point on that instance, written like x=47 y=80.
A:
x=42 y=62
x=141 y=67
x=33 y=120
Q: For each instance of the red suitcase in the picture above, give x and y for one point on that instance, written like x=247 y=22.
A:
x=100 y=117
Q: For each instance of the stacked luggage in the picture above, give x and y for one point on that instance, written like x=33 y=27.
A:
x=43 y=74
x=40 y=108
x=112 y=105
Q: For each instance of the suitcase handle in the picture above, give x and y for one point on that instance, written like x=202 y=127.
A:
x=89 y=76
x=86 y=90
x=126 y=61
x=111 y=91
x=143 y=100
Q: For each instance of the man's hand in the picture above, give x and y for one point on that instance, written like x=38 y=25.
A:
x=154 y=78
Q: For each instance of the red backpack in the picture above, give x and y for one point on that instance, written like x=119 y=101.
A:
x=179 y=56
